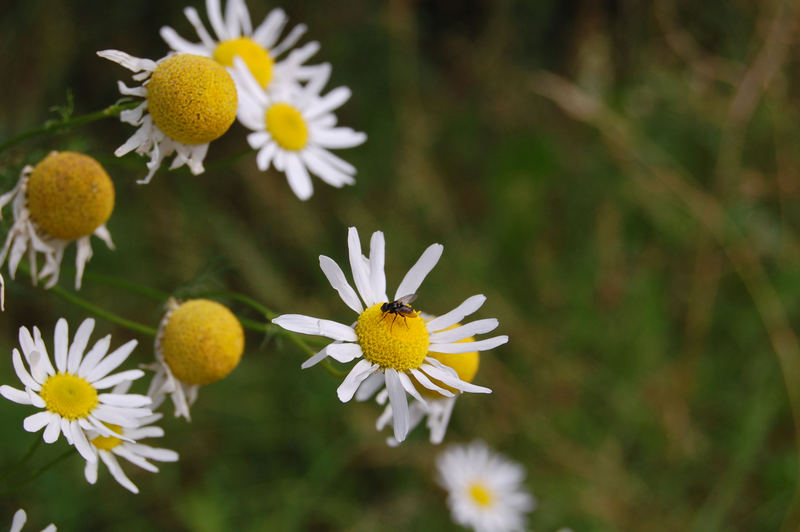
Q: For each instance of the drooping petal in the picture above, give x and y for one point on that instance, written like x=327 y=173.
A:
x=397 y=398
x=363 y=369
x=308 y=325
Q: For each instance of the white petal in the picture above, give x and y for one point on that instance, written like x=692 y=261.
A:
x=179 y=44
x=377 y=276
x=338 y=137
x=53 y=429
x=111 y=362
x=24 y=377
x=298 y=178
x=308 y=325
x=116 y=471
x=397 y=398
x=35 y=422
x=419 y=271
x=336 y=277
x=117 y=378
x=18 y=521
x=360 y=273
x=327 y=103
x=368 y=388
x=79 y=345
x=217 y=22
x=466 y=308
x=449 y=377
x=427 y=383
x=95 y=354
x=344 y=352
x=465 y=331
x=316 y=359
x=128 y=399
x=469 y=347
x=408 y=386
x=90 y=472
x=12 y=394
x=61 y=343
x=362 y=370
x=83 y=446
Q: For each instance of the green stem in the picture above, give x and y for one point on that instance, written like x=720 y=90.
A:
x=110 y=316
x=246 y=300
x=54 y=126
x=39 y=472
x=134 y=288
x=37 y=441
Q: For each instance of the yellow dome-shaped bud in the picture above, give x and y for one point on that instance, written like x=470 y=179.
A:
x=201 y=342
x=465 y=364
x=69 y=195
x=254 y=55
x=191 y=98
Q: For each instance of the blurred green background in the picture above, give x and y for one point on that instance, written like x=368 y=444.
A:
x=621 y=180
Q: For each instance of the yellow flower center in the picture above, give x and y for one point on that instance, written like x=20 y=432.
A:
x=191 y=98
x=391 y=340
x=480 y=495
x=69 y=396
x=106 y=443
x=465 y=364
x=69 y=195
x=202 y=341
x=255 y=57
x=287 y=127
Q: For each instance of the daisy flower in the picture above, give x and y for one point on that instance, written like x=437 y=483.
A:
x=484 y=489
x=19 y=521
x=67 y=197
x=109 y=447
x=393 y=344
x=198 y=342
x=70 y=394
x=258 y=48
x=189 y=101
x=437 y=407
x=293 y=128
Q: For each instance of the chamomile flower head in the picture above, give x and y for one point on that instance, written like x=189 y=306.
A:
x=293 y=129
x=199 y=342
x=67 y=197
x=437 y=408
x=70 y=394
x=189 y=101
x=484 y=489
x=259 y=48
x=389 y=337
x=20 y=518
x=108 y=448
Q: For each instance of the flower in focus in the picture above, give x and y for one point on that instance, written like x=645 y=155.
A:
x=437 y=407
x=258 y=48
x=393 y=344
x=293 y=129
x=19 y=521
x=484 y=489
x=189 y=101
x=199 y=342
x=70 y=394
x=66 y=197
x=109 y=447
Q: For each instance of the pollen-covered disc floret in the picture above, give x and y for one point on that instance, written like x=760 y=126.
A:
x=392 y=345
x=20 y=517
x=437 y=407
x=485 y=490
x=189 y=101
x=71 y=394
x=294 y=128
x=67 y=197
x=199 y=342
x=192 y=99
x=109 y=448
x=260 y=48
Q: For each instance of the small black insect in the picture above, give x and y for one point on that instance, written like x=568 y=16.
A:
x=399 y=307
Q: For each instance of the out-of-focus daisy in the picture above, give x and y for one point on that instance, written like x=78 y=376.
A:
x=436 y=407
x=294 y=128
x=395 y=344
x=258 y=48
x=19 y=521
x=67 y=197
x=109 y=447
x=484 y=489
x=199 y=342
x=70 y=394
x=189 y=101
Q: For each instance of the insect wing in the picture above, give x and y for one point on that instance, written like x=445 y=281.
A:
x=406 y=300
